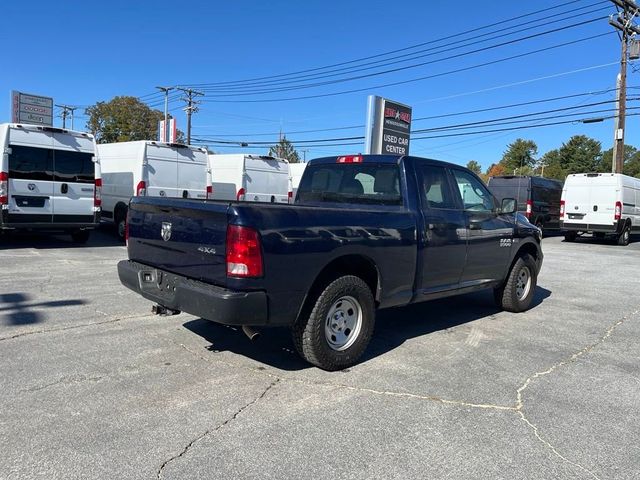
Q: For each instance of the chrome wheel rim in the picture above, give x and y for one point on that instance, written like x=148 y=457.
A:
x=523 y=283
x=343 y=323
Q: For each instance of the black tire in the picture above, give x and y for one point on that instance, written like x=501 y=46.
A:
x=80 y=236
x=311 y=334
x=570 y=236
x=540 y=224
x=120 y=219
x=513 y=296
x=625 y=236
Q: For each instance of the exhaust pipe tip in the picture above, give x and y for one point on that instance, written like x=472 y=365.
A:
x=250 y=332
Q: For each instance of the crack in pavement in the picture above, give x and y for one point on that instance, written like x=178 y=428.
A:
x=215 y=429
x=519 y=393
x=68 y=380
x=72 y=327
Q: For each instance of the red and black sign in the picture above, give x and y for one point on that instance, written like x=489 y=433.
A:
x=396 y=127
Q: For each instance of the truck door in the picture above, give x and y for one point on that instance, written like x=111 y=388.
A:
x=74 y=178
x=489 y=234
x=443 y=247
x=30 y=177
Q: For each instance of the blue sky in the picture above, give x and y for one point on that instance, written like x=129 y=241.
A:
x=80 y=53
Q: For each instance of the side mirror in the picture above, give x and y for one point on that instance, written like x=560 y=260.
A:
x=509 y=205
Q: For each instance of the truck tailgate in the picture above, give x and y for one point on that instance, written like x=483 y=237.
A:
x=186 y=237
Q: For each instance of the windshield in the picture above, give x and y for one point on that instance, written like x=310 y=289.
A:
x=369 y=183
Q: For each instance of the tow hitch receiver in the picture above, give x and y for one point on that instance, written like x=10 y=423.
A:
x=164 y=311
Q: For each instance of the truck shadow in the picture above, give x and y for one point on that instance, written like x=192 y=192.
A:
x=101 y=237
x=17 y=308
x=394 y=326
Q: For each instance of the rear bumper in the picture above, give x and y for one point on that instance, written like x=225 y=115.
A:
x=214 y=303
x=592 y=227
x=53 y=223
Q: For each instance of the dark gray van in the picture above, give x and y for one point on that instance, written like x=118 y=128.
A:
x=538 y=197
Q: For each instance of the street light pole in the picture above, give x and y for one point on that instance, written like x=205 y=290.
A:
x=166 y=110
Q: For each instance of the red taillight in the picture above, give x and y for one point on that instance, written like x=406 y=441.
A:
x=529 y=209
x=240 y=195
x=126 y=232
x=350 y=159
x=141 y=188
x=561 y=208
x=4 y=188
x=618 y=211
x=97 y=193
x=209 y=192
x=244 y=255
x=290 y=197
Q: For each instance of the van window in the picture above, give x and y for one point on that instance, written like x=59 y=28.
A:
x=30 y=163
x=73 y=166
x=369 y=183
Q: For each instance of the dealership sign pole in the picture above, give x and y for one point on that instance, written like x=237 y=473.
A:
x=388 y=127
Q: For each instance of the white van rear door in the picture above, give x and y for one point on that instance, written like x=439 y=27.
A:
x=162 y=171
x=192 y=173
x=30 y=176
x=266 y=180
x=74 y=178
x=591 y=199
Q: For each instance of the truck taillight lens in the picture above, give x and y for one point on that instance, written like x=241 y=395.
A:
x=529 y=209
x=141 y=189
x=561 y=208
x=244 y=253
x=350 y=159
x=240 y=195
x=209 y=192
x=97 y=193
x=618 y=211
x=4 y=188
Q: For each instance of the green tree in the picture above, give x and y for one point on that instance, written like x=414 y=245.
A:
x=631 y=158
x=474 y=167
x=553 y=165
x=519 y=154
x=284 y=149
x=580 y=154
x=124 y=119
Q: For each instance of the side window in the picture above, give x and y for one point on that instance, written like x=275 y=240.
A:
x=474 y=194
x=435 y=188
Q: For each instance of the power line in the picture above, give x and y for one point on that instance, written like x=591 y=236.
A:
x=427 y=77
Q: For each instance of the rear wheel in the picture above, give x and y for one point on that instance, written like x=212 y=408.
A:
x=340 y=325
x=570 y=236
x=121 y=222
x=517 y=292
x=80 y=236
x=625 y=236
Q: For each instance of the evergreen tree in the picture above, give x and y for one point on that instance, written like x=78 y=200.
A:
x=284 y=149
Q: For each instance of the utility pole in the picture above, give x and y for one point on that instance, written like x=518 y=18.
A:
x=65 y=110
x=190 y=108
x=623 y=21
x=166 y=110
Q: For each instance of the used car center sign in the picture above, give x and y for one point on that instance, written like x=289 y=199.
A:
x=32 y=109
x=388 y=127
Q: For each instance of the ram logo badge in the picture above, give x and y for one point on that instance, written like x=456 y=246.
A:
x=166 y=231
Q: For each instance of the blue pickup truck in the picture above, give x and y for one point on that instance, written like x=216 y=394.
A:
x=365 y=232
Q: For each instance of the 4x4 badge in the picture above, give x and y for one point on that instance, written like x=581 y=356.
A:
x=166 y=231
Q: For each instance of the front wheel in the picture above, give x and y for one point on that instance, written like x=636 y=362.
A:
x=517 y=292
x=340 y=326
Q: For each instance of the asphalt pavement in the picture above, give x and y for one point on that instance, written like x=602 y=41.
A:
x=94 y=386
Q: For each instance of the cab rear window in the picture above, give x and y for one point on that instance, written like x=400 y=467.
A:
x=369 y=183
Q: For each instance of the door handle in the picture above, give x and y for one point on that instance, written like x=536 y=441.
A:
x=64 y=188
x=475 y=226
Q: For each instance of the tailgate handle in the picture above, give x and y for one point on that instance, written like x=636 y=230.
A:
x=64 y=188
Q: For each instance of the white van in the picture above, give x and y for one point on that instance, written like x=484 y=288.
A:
x=602 y=204
x=49 y=180
x=249 y=177
x=149 y=168
x=295 y=174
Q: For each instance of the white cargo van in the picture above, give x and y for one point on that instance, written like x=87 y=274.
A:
x=602 y=204
x=249 y=177
x=148 y=168
x=295 y=174
x=49 y=180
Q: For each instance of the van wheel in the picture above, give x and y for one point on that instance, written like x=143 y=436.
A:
x=517 y=292
x=570 y=236
x=625 y=236
x=80 y=236
x=340 y=326
x=122 y=228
